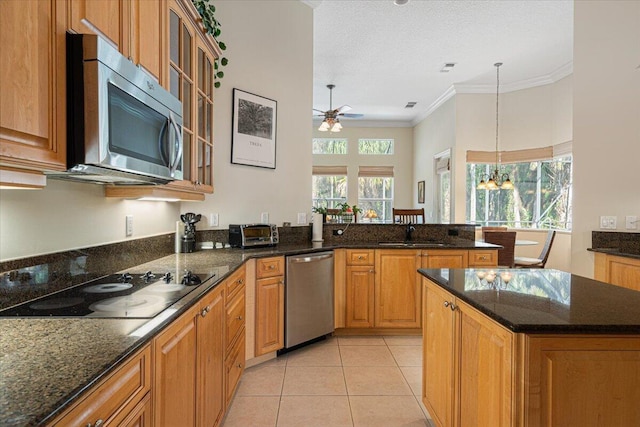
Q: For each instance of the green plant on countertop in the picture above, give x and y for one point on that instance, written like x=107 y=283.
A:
x=319 y=209
x=345 y=208
x=212 y=25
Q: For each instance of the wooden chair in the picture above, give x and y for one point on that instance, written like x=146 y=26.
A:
x=506 y=239
x=406 y=216
x=502 y=228
x=541 y=261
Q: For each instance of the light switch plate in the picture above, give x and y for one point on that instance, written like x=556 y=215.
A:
x=129 y=225
x=302 y=218
x=213 y=220
x=264 y=217
x=631 y=222
x=608 y=222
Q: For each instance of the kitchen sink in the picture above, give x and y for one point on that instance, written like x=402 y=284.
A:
x=413 y=244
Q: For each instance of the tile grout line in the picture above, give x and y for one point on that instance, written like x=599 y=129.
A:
x=344 y=377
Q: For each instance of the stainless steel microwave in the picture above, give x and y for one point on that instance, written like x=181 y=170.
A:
x=122 y=127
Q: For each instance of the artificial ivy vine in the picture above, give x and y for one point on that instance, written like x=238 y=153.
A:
x=212 y=25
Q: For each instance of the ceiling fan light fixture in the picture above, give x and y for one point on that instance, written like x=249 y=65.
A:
x=336 y=126
x=400 y=2
x=324 y=126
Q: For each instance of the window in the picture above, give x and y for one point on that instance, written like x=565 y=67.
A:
x=329 y=146
x=375 y=146
x=443 y=172
x=329 y=186
x=541 y=198
x=375 y=193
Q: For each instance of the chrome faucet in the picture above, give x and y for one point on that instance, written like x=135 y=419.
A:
x=410 y=229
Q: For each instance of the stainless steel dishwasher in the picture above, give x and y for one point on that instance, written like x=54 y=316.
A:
x=309 y=297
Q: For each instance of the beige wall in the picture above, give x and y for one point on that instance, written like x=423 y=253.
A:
x=405 y=189
x=68 y=215
x=432 y=136
x=606 y=121
x=270 y=51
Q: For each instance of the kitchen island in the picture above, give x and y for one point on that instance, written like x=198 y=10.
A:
x=529 y=347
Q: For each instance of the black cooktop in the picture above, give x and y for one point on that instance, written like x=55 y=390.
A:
x=116 y=296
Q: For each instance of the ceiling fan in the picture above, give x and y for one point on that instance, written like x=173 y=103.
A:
x=331 y=121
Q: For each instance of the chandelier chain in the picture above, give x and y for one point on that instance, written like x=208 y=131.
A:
x=498 y=64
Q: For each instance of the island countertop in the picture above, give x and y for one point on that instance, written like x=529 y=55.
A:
x=543 y=300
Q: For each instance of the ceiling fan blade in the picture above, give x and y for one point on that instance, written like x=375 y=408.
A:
x=319 y=111
x=352 y=115
x=343 y=109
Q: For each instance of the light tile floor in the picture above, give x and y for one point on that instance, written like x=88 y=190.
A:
x=343 y=381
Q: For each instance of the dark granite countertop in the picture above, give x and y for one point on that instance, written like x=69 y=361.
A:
x=47 y=363
x=616 y=252
x=544 y=300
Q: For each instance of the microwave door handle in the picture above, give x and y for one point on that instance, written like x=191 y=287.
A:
x=161 y=142
x=177 y=145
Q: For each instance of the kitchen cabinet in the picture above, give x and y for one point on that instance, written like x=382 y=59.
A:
x=191 y=57
x=617 y=270
x=269 y=291
x=234 y=344
x=468 y=363
x=123 y=398
x=134 y=27
x=381 y=289
x=397 y=288
x=445 y=258
x=33 y=88
x=359 y=288
x=189 y=365
x=187 y=71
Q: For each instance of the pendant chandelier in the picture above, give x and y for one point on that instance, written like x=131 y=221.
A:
x=496 y=180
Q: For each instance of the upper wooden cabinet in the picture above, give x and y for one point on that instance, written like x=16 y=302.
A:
x=32 y=87
x=135 y=27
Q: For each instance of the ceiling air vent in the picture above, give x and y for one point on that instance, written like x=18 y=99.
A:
x=410 y=104
x=447 y=67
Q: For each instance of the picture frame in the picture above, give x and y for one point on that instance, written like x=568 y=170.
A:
x=254 y=124
x=420 y=191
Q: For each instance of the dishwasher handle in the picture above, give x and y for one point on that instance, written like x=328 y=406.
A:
x=299 y=260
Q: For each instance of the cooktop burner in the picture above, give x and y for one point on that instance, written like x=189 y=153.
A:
x=117 y=295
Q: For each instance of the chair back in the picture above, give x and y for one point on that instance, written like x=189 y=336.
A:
x=406 y=216
x=501 y=228
x=506 y=239
x=544 y=255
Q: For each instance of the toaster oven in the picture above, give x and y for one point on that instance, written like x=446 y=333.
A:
x=253 y=235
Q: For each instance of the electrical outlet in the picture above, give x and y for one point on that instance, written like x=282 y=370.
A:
x=302 y=218
x=213 y=220
x=129 y=225
x=264 y=217
x=631 y=222
x=608 y=222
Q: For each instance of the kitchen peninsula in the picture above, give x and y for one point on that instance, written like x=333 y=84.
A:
x=529 y=347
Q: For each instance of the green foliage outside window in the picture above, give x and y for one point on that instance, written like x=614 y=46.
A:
x=541 y=198
x=329 y=146
x=375 y=146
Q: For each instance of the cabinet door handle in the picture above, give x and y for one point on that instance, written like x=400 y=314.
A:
x=239 y=317
x=446 y=303
x=240 y=281
x=453 y=307
x=360 y=257
x=96 y=424
x=239 y=365
x=205 y=311
x=271 y=267
x=372 y=271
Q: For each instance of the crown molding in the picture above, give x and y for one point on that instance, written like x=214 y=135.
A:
x=459 y=88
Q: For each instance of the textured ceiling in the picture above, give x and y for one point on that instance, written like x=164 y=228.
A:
x=381 y=56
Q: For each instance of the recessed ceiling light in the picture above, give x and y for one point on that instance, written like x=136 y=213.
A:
x=400 y=2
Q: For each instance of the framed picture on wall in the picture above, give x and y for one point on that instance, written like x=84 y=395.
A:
x=253 y=140
x=420 y=191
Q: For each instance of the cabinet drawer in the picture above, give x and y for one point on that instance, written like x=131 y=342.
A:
x=483 y=258
x=114 y=398
x=269 y=267
x=360 y=257
x=235 y=366
x=234 y=283
x=235 y=318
